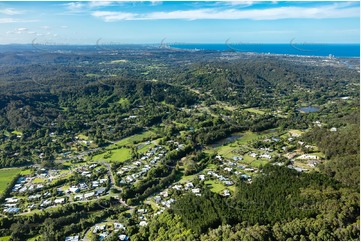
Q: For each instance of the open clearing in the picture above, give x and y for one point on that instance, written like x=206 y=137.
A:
x=133 y=139
x=226 y=150
x=119 y=155
x=254 y=110
x=6 y=176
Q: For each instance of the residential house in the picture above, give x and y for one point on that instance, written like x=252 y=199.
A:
x=266 y=156
x=157 y=199
x=196 y=190
x=72 y=238
x=123 y=237
x=95 y=183
x=89 y=195
x=83 y=186
x=252 y=154
x=142 y=211
x=188 y=186
x=226 y=193
x=164 y=193
x=118 y=226
x=74 y=189
x=177 y=187
x=143 y=223
x=228 y=183
x=78 y=197
x=59 y=201
x=12 y=210
x=11 y=200
x=229 y=169
x=99 y=191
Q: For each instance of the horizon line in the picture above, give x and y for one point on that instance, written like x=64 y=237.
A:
x=183 y=43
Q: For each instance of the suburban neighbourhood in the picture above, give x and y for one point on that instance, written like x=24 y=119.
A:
x=88 y=180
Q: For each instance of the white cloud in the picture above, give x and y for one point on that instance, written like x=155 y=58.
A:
x=114 y=16
x=10 y=11
x=156 y=3
x=79 y=7
x=239 y=3
x=328 y=11
x=21 y=31
x=75 y=6
x=13 y=20
x=94 y=4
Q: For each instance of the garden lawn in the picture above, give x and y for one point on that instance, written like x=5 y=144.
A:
x=216 y=186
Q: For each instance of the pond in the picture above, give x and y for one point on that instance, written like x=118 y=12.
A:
x=309 y=109
x=227 y=140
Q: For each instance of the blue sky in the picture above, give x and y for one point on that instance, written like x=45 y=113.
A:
x=105 y=22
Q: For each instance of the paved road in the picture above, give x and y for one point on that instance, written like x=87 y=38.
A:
x=113 y=183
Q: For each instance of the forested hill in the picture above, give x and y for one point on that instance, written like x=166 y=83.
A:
x=69 y=89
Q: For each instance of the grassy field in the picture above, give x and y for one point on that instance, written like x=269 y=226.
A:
x=38 y=180
x=216 y=186
x=121 y=155
x=258 y=163
x=154 y=206
x=295 y=131
x=212 y=166
x=247 y=137
x=26 y=172
x=35 y=238
x=92 y=75
x=226 y=150
x=17 y=132
x=65 y=109
x=145 y=148
x=118 y=61
x=83 y=137
x=319 y=154
x=6 y=176
x=124 y=101
x=248 y=159
x=133 y=139
x=5 y=238
x=254 y=110
x=187 y=178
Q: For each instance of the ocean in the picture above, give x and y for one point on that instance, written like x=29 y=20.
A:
x=304 y=49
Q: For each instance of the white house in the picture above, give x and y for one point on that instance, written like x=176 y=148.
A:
x=74 y=189
x=59 y=201
x=196 y=190
x=189 y=185
x=143 y=223
x=89 y=195
x=226 y=193
x=254 y=155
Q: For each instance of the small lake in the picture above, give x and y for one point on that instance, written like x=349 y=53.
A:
x=309 y=109
x=227 y=140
